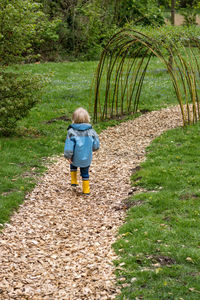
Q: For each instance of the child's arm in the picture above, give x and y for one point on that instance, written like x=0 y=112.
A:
x=96 y=143
x=69 y=148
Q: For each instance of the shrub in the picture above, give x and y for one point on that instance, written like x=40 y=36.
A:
x=189 y=15
x=18 y=94
x=25 y=31
x=45 y=44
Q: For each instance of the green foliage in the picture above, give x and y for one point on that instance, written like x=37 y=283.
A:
x=188 y=3
x=87 y=25
x=179 y=4
x=17 y=28
x=18 y=94
x=50 y=30
x=45 y=43
x=145 y=12
x=22 y=25
x=94 y=27
x=189 y=15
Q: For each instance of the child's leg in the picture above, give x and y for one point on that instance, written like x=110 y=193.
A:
x=73 y=171
x=85 y=178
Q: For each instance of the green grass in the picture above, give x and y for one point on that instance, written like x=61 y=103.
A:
x=42 y=133
x=159 y=245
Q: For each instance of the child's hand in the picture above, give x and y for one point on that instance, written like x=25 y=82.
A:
x=69 y=160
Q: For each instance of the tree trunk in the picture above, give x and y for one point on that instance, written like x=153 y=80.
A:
x=173 y=11
x=173 y=2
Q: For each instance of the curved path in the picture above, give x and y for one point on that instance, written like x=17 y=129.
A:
x=58 y=245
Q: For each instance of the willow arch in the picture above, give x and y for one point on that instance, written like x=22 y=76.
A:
x=123 y=65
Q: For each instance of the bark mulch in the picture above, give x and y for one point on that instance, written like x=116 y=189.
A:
x=58 y=244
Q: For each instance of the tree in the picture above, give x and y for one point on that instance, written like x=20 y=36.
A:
x=144 y=12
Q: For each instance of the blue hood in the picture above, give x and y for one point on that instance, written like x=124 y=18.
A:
x=81 y=126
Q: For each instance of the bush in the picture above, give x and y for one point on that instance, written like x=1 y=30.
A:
x=189 y=15
x=45 y=45
x=25 y=31
x=18 y=94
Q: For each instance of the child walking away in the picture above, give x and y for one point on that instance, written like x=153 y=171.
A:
x=81 y=141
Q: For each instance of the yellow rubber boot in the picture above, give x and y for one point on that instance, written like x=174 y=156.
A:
x=74 y=181
x=86 y=187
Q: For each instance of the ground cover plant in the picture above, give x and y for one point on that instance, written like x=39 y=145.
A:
x=42 y=133
x=159 y=245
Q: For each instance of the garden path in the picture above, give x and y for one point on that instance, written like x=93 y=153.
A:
x=58 y=244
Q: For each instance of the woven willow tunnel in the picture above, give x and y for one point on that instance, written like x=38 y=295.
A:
x=124 y=63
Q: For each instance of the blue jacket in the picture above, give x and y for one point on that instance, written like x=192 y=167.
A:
x=81 y=141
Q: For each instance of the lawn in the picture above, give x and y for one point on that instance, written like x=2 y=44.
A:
x=159 y=246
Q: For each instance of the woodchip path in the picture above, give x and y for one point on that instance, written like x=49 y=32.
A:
x=58 y=244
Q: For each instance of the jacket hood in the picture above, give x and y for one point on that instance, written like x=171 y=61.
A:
x=81 y=126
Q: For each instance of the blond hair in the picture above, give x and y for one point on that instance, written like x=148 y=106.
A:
x=80 y=115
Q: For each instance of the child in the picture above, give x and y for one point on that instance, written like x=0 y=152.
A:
x=81 y=141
